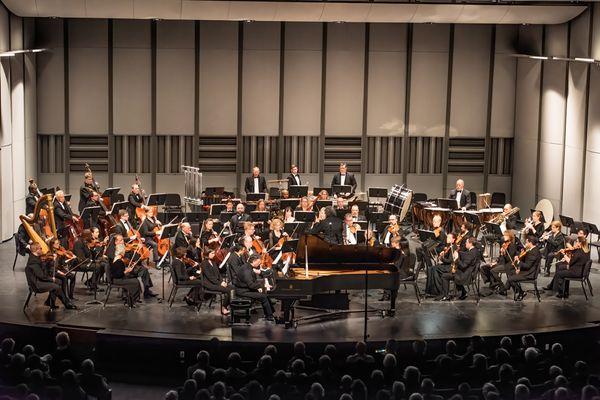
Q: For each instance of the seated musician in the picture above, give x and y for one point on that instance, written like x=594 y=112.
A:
x=461 y=195
x=187 y=274
x=88 y=249
x=229 y=206
x=23 y=240
x=509 y=222
x=439 y=232
x=323 y=195
x=570 y=266
x=248 y=284
x=63 y=214
x=124 y=227
x=136 y=200
x=305 y=205
x=261 y=206
x=62 y=262
x=465 y=263
x=42 y=281
x=464 y=234
x=434 y=285
x=124 y=275
x=340 y=203
x=391 y=230
x=524 y=267
x=343 y=177
x=330 y=227
x=275 y=234
x=534 y=226
x=349 y=231
x=184 y=238
x=135 y=270
x=237 y=258
x=356 y=215
x=93 y=201
x=555 y=241
x=33 y=195
x=148 y=231
x=247 y=242
x=256 y=183
x=209 y=238
x=237 y=221
x=288 y=215
x=293 y=178
x=508 y=250
x=285 y=194
x=212 y=280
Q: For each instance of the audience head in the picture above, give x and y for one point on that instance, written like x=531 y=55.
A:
x=62 y=340
x=530 y=355
x=521 y=392
x=299 y=349
x=389 y=361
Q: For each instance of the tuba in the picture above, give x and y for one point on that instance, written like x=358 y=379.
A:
x=43 y=207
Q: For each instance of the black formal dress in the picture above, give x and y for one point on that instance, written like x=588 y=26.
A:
x=249 y=186
x=465 y=197
x=38 y=277
x=434 y=285
x=22 y=240
x=465 y=266
x=211 y=280
x=574 y=269
x=247 y=284
x=349 y=179
x=330 y=228
x=128 y=281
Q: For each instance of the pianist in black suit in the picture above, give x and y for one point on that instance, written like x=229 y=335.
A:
x=465 y=263
x=344 y=177
x=293 y=178
x=405 y=272
x=330 y=227
x=248 y=284
x=461 y=195
x=256 y=183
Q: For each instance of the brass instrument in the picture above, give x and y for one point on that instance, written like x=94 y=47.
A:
x=500 y=218
x=44 y=201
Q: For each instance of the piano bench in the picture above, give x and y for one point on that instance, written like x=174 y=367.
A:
x=240 y=310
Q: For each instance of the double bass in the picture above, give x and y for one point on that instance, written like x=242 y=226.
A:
x=107 y=221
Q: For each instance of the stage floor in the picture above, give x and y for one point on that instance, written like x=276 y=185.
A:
x=494 y=316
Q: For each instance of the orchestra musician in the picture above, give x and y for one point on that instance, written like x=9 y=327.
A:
x=508 y=251
x=340 y=203
x=285 y=194
x=464 y=234
x=330 y=227
x=85 y=191
x=124 y=227
x=555 y=241
x=229 y=206
x=134 y=270
x=23 y=241
x=124 y=275
x=510 y=220
x=535 y=225
x=93 y=201
x=184 y=237
x=305 y=205
x=461 y=195
x=42 y=281
x=211 y=279
x=356 y=215
x=248 y=284
x=33 y=195
x=187 y=274
x=390 y=231
x=464 y=263
x=88 y=249
x=436 y=245
x=349 y=231
x=135 y=200
x=523 y=267
x=208 y=237
x=62 y=214
x=256 y=183
x=261 y=206
x=288 y=215
x=148 y=229
x=571 y=265
x=343 y=177
x=293 y=178
x=275 y=234
x=58 y=266
x=237 y=258
x=402 y=265
x=323 y=195
x=434 y=285
x=237 y=220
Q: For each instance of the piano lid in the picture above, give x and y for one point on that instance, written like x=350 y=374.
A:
x=323 y=253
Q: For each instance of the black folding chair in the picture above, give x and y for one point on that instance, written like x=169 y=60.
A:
x=532 y=281
x=33 y=290
x=110 y=284
x=593 y=228
x=584 y=279
x=413 y=280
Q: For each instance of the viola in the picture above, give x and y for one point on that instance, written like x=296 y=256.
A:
x=189 y=262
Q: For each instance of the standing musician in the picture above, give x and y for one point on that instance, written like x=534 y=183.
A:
x=330 y=227
x=62 y=214
x=237 y=221
x=256 y=183
x=349 y=231
x=33 y=195
x=305 y=205
x=534 y=226
x=434 y=285
x=186 y=274
x=88 y=249
x=571 y=266
x=523 y=267
x=58 y=266
x=136 y=270
x=85 y=191
x=293 y=178
x=464 y=263
x=38 y=277
x=211 y=279
x=343 y=177
x=390 y=231
x=93 y=201
x=555 y=241
x=136 y=200
x=461 y=195
x=248 y=284
x=124 y=275
x=508 y=251
x=148 y=229
x=464 y=234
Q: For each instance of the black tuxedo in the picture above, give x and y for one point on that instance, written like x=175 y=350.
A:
x=465 y=198
x=330 y=228
x=39 y=279
x=247 y=284
x=182 y=240
x=85 y=194
x=120 y=229
x=350 y=180
x=465 y=265
x=511 y=222
x=22 y=240
x=249 y=185
x=237 y=222
x=292 y=181
x=62 y=213
x=147 y=229
x=30 y=202
x=135 y=201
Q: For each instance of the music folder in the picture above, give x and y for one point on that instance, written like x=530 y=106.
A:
x=378 y=192
x=255 y=196
x=322 y=203
x=425 y=235
x=337 y=189
x=156 y=199
x=216 y=209
x=118 y=206
x=291 y=203
x=225 y=216
x=304 y=216
x=298 y=191
x=259 y=216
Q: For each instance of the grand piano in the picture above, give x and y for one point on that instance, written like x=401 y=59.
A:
x=323 y=268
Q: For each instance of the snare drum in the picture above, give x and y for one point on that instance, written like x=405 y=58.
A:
x=398 y=201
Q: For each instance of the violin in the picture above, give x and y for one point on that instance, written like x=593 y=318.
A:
x=94 y=243
x=437 y=231
x=460 y=237
x=62 y=252
x=394 y=230
x=504 y=247
x=189 y=262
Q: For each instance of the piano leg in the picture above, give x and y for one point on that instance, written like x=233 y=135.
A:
x=393 y=295
x=287 y=306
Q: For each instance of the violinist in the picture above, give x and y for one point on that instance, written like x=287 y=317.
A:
x=555 y=241
x=434 y=283
x=305 y=205
x=211 y=279
x=293 y=178
x=135 y=270
x=209 y=238
x=390 y=231
x=87 y=189
x=135 y=200
x=508 y=251
x=88 y=249
x=523 y=267
x=184 y=236
x=149 y=229
x=349 y=231
x=238 y=219
x=534 y=225
x=59 y=266
x=187 y=275
x=276 y=233
x=571 y=266
x=463 y=265
x=464 y=234
x=63 y=214
x=122 y=274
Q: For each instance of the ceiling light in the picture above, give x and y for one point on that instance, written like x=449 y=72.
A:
x=538 y=57
x=583 y=59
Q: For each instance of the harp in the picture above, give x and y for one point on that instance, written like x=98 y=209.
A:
x=43 y=217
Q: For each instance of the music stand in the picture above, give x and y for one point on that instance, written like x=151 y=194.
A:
x=425 y=235
x=259 y=216
x=377 y=217
x=48 y=191
x=156 y=199
x=168 y=232
x=116 y=207
x=249 y=207
x=378 y=192
x=196 y=217
x=295 y=228
x=322 y=203
x=216 y=209
x=447 y=203
x=364 y=225
x=111 y=193
x=492 y=229
x=338 y=189
x=214 y=191
x=68 y=197
x=90 y=214
x=567 y=222
x=225 y=216
x=304 y=216
x=341 y=212
x=317 y=190
x=298 y=191
x=255 y=196
x=472 y=218
x=289 y=246
x=291 y=203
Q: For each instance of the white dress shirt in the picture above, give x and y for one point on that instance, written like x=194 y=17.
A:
x=256 y=186
x=458 y=197
x=342 y=179
x=297 y=179
x=350 y=238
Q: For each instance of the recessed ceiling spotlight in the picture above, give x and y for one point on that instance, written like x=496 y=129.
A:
x=248 y=21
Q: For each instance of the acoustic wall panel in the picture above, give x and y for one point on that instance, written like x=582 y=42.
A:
x=302 y=78
x=429 y=80
x=387 y=79
x=218 y=78
x=591 y=211
x=50 y=76
x=550 y=166
x=503 y=90
x=175 y=77
x=345 y=79
x=132 y=99
x=470 y=80
x=260 y=77
x=88 y=76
